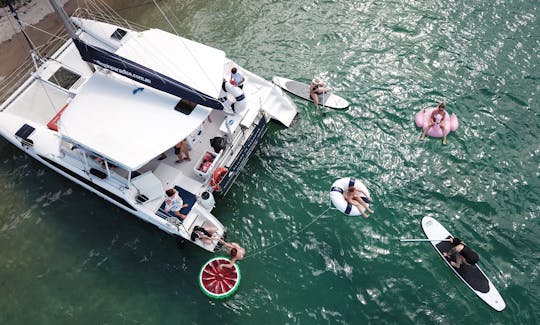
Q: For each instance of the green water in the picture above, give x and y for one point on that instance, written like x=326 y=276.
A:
x=69 y=257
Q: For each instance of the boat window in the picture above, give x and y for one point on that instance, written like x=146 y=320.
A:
x=23 y=133
x=185 y=106
x=118 y=34
x=64 y=78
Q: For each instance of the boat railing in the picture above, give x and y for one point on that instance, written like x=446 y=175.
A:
x=107 y=15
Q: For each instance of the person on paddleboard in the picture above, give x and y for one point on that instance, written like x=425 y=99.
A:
x=316 y=88
x=460 y=253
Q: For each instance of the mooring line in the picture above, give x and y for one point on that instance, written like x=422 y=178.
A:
x=292 y=235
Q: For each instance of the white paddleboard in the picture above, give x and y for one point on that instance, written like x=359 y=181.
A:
x=302 y=90
x=472 y=275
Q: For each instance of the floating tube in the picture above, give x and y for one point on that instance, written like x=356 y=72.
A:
x=219 y=282
x=338 y=189
x=232 y=96
x=422 y=121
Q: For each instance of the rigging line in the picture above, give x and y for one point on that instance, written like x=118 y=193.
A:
x=19 y=30
x=56 y=37
x=112 y=13
x=42 y=84
x=263 y=249
x=178 y=21
x=44 y=31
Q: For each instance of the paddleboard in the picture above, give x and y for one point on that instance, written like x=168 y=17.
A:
x=472 y=275
x=302 y=90
x=218 y=282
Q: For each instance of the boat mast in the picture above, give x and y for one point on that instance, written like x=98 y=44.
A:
x=64 y=18
x=67 y=24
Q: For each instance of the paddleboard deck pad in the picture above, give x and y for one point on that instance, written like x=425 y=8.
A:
x=471 y=275
x=302 y=90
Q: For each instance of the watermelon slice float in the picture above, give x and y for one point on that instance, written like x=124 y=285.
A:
x=218 y=282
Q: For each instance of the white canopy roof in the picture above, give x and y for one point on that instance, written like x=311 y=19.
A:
x=196 y=65
x=127 y=128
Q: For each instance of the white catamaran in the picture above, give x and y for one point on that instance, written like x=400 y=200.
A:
x=108 y=106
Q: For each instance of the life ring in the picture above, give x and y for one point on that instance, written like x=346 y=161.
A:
x=337 y=192
x=422 y=121
x=217 y=177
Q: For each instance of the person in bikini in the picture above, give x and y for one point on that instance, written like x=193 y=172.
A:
x=316 y=88
x=359 y=199
x=437 y=118
x=236 y=251
x=206 y=234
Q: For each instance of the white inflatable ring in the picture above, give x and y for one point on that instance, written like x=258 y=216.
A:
x=232 y=97
x=338 y=189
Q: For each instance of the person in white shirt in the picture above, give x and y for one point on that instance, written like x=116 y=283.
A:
x=174 y=203
x=237 y=79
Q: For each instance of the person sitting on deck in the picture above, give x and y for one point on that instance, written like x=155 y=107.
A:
x=460 y=253
x=205 y=234
x=174 y=203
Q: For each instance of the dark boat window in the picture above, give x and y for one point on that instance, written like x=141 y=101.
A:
x=98 y=173
x=118 y=34
x=185 y=106
x=64 y=78
x=23 y=133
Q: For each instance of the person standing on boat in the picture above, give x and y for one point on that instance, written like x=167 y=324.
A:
x=461 y=254
x=237 y=78
x=359 y=199
x=174 y=203
x=180 y=149
x=437 y=117
x=236 y=251
x=316 y=88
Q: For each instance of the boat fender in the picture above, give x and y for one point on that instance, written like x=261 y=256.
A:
x=337 y=197
x=217 y=177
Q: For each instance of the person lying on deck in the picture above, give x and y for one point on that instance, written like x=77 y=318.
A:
x=174 y=203
x=206 y=234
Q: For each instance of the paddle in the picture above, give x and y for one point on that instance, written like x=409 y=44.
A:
x=421 y=239
x=322 y=109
